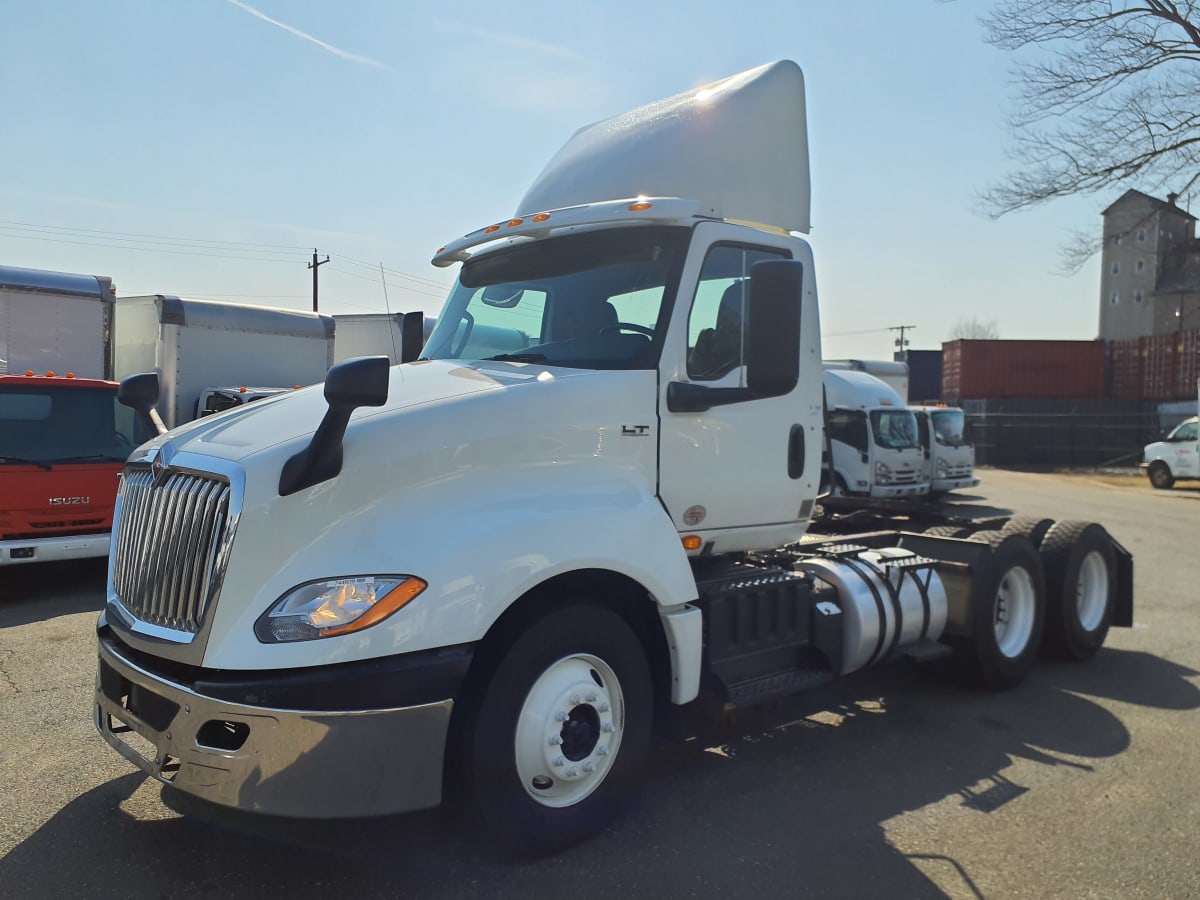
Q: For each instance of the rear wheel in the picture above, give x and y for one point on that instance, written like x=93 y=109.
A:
x=559 y=731
x=1033 y=527
x=1160 y=475
x=1081 y=581
x=1008 y=613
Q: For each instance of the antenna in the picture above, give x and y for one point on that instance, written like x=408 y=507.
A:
x=387 y=306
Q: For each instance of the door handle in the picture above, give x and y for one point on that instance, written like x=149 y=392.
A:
x=796 y=452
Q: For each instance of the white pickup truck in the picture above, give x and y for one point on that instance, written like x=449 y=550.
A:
x=1175 y=456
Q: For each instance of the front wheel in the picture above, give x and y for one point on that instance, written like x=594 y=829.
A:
x=1160 y=475
x=560 y=730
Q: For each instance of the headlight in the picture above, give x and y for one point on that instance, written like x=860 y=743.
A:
x=322 y=609
x=883 y=474
x=943 y=468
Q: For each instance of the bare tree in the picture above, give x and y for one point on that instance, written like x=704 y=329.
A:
x=1110 y=95
x=972 y=329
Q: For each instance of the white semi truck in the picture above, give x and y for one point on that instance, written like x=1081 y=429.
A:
x=493 y=571
x=874 y=447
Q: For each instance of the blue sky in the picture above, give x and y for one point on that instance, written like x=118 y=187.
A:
x=204 y=148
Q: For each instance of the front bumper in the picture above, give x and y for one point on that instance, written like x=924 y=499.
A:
x=899 y=490
x=54 y=549
x=304 y=763
x=941 y=485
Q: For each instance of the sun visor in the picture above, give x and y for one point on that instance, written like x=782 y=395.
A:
x=739 y=146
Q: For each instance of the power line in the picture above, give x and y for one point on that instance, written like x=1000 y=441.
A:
x=78 y=243
x=151 y=238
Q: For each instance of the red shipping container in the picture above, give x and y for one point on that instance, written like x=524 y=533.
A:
x=1023 y=370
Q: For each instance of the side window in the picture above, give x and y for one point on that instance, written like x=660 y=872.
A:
x=716 y=323
x=848 y=427
x=1186 y=432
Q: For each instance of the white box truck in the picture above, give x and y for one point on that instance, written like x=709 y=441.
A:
x=495 y=571
x=949 y=455
x=873 y=443
x=55 y=322
x=211 y=356
x=398 y=336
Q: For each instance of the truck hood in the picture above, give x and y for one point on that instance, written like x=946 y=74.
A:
x=242 y=432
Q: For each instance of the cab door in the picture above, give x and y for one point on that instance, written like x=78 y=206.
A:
x=1183 y=442
x=743 y=474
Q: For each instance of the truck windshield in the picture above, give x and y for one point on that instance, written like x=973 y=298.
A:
x=595 y=300
x=948 y=427
x=894 y=429
x=45 y=425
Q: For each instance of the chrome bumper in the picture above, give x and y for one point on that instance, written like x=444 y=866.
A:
x=307 y=764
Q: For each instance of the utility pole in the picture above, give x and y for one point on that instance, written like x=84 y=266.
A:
x=900 y=341
x=313 y=265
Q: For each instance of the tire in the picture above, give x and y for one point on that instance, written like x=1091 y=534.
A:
x=1008 y=609
x=986 y=537
x=1160 y=476
x=1081 y=582
x=1032 y=527
x=558 y=732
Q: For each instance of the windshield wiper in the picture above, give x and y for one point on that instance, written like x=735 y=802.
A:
x=517 y=357
x=20 y=461
x=91 y=457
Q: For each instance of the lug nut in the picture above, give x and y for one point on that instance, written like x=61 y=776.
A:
x=589 y=768
x=592 y=696
x=603 y=707
x=572 y=772
x=602 y=750
x=559 y=762
x=575 y=699
x=610 y=727
x=555 y=740
x=561 y=716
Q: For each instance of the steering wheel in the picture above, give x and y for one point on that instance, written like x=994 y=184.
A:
x=629 y=326
x=122 y=440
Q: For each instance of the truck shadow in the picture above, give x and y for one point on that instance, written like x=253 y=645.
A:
x=779 y=801
x=40 y=591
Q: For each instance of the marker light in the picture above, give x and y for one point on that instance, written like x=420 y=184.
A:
x=491 y=229
x=241 y=390
x=70 y=374
x=640 y=205
x=541 y=217
x=513 y=223
x=692 y=542
x=49 y=374
x=322 y=609
x=29 y=373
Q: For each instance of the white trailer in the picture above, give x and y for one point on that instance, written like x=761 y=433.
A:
x=213 y=349
x=580 y=515
x=55 y=322
x=398 y=336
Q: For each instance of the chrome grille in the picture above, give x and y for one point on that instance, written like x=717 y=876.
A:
x=168 y=546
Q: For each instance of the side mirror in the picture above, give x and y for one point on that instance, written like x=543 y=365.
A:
x=362 y=381
x=773 y=327
x=412 y=336
x=140 y=393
